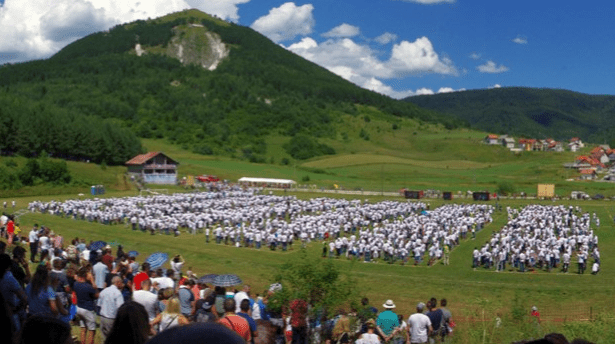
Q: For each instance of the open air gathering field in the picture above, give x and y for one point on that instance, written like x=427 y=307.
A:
x=477 y=296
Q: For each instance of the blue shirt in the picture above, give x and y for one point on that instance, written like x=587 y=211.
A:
x=185 y=300
x=39 y=304
x=100 y=274
x=9 y=287
x=85 y=295
x=387 y=321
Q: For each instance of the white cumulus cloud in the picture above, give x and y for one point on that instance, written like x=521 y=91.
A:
x=520 y=40
x=475 y=56
x=360 y=64
x=419 y=57
x=386 y=38
x=286 y=22
x=344 y=30
x=225 y=9
x=449 y=90
x=33 y=29
x=491 y=68
x=495 y=86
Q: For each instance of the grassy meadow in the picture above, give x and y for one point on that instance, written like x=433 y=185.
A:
x=476 y=297
x=416 y=156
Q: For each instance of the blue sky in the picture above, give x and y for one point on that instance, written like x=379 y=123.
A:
x=395 y=47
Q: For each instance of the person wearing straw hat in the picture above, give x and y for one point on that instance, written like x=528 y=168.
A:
x=387 y=320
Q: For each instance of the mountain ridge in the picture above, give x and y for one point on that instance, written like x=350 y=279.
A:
x=529 y=112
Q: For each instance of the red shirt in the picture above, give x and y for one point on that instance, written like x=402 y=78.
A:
x=10 y=227
x=138 y=279
x=298 y=312
x=237 y=324
x=107 y=259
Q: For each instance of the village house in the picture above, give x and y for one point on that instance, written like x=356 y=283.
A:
x=584 y=162
x=554 y=146
x=599 y=153
x=507 y=142
x=153 y=168
x=491 y=139
x=588 y=174
x=575 y=144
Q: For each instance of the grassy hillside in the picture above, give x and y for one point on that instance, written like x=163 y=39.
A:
x=528 y=112
x=260 y=90
x=415 y=155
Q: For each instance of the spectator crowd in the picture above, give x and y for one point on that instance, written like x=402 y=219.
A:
x=107 y=290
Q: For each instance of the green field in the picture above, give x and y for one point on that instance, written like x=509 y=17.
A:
x=417 y=156
x=566 y=301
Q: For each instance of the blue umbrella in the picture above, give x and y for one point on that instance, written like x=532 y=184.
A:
x=133 y=253
x=157 y=259
x=98 y=245
x=207 y=278
x=226 y=280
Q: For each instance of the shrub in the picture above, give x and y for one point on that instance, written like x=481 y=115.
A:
x=303 y=147
x=505 y=188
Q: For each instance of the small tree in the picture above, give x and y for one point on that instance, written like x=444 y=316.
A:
x=321 y=284
x=505 y=188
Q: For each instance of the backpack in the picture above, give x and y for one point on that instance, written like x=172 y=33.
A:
x=203 y=316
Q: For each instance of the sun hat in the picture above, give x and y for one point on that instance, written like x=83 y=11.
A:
x=420 y=306
x=389 y=304
x=534 y=308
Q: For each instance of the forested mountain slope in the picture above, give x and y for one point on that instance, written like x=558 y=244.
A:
x=529 y=112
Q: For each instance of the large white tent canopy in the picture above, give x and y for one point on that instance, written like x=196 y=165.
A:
x=267 y=181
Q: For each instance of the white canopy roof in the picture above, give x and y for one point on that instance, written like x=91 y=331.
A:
x=266 y=180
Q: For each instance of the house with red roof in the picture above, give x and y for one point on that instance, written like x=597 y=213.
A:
x=153 y=168
x=492 y=139
x=588 y=174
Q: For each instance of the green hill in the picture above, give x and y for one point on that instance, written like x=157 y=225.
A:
x=529 y=112
x=210 y=86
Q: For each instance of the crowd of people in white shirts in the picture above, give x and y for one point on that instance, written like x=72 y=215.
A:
x=542 y=237
x=352 y=228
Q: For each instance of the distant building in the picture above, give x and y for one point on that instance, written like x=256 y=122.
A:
x=575 y=144
x=491 y=139
x=153 y=168
x=508 y=142
x=588 y=174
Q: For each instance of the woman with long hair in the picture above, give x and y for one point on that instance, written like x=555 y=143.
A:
x=170 y=317
x=41 y=295
x=130 y=326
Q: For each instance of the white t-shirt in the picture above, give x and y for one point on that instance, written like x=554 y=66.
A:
x=149 y=300
x=164 y=282
x=44 y=243
x=368 y=338
x=239 y=296
x=419 y=324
